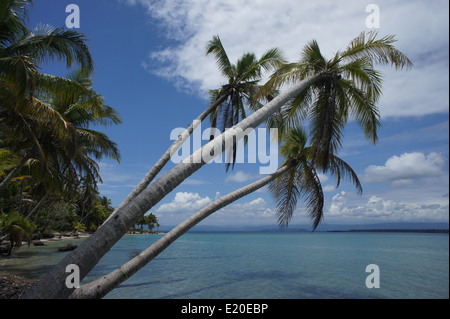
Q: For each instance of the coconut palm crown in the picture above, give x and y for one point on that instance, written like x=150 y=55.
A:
x=302 y=181
x=349 y=87
x=243 y=84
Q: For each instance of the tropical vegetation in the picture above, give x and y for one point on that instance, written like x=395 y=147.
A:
x=323 y=93
x=49 y=152
x=50 y=170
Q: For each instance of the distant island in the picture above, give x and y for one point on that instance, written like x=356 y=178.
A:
x=444 y=231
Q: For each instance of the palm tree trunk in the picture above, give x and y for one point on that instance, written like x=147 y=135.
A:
x=102 y=286
x=14 y=172
x=39 y=205
x=166 y=156
x=21 y=197
x=96 y=246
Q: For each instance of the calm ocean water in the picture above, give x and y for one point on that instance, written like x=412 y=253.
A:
x=269 y=265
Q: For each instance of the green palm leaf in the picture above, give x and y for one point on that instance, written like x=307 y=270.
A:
x=377 y=50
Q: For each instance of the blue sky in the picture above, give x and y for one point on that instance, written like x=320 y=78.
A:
x=150 y=66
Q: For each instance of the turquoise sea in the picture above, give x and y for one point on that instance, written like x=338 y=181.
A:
x=271 y=265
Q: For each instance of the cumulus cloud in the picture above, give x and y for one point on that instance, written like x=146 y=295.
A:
x=245 y=212
x=183 y=202
x=376 y=208
x=405 y=167
x=257 y=25
x=255 y=210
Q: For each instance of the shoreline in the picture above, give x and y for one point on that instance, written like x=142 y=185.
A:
x=12 y=286
x=430 y=231
x=61 y=237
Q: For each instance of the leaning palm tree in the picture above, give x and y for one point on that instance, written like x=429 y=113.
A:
x=296 y=178
x=227 y=103
x=92 y=249
x=301 y=179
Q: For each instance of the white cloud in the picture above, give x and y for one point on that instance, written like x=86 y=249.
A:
x=322 y=177
x=184 y=202
x=257 y=25
x=406 y=167
x=240 y=177
x=329 y=188
x=344 y=208
x=245 y=212
x=254 y=211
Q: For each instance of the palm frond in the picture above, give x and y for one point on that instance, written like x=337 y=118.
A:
x=98 y=143
x=366 y=45
x=312 y=59
x=363 y=109
x=48 y=43
x=326 y=126
x=270 y=60
x=364 y=77
x=313 y=193
x=13 y=13
x=215 y=47
x=60 y=88
x=18 y=73
x=340 y=169
x=285 y=191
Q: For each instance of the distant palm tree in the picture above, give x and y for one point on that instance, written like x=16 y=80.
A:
x=92 y=249
x=296 y=178
x=242 y=87
x=15 y=228
x=227 y=103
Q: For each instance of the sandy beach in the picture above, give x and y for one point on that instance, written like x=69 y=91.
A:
x=63 y=236
x=13 y=286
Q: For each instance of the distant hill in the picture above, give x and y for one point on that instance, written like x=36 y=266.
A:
x=398 y=226
x=392 y=227
x=443 y=231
